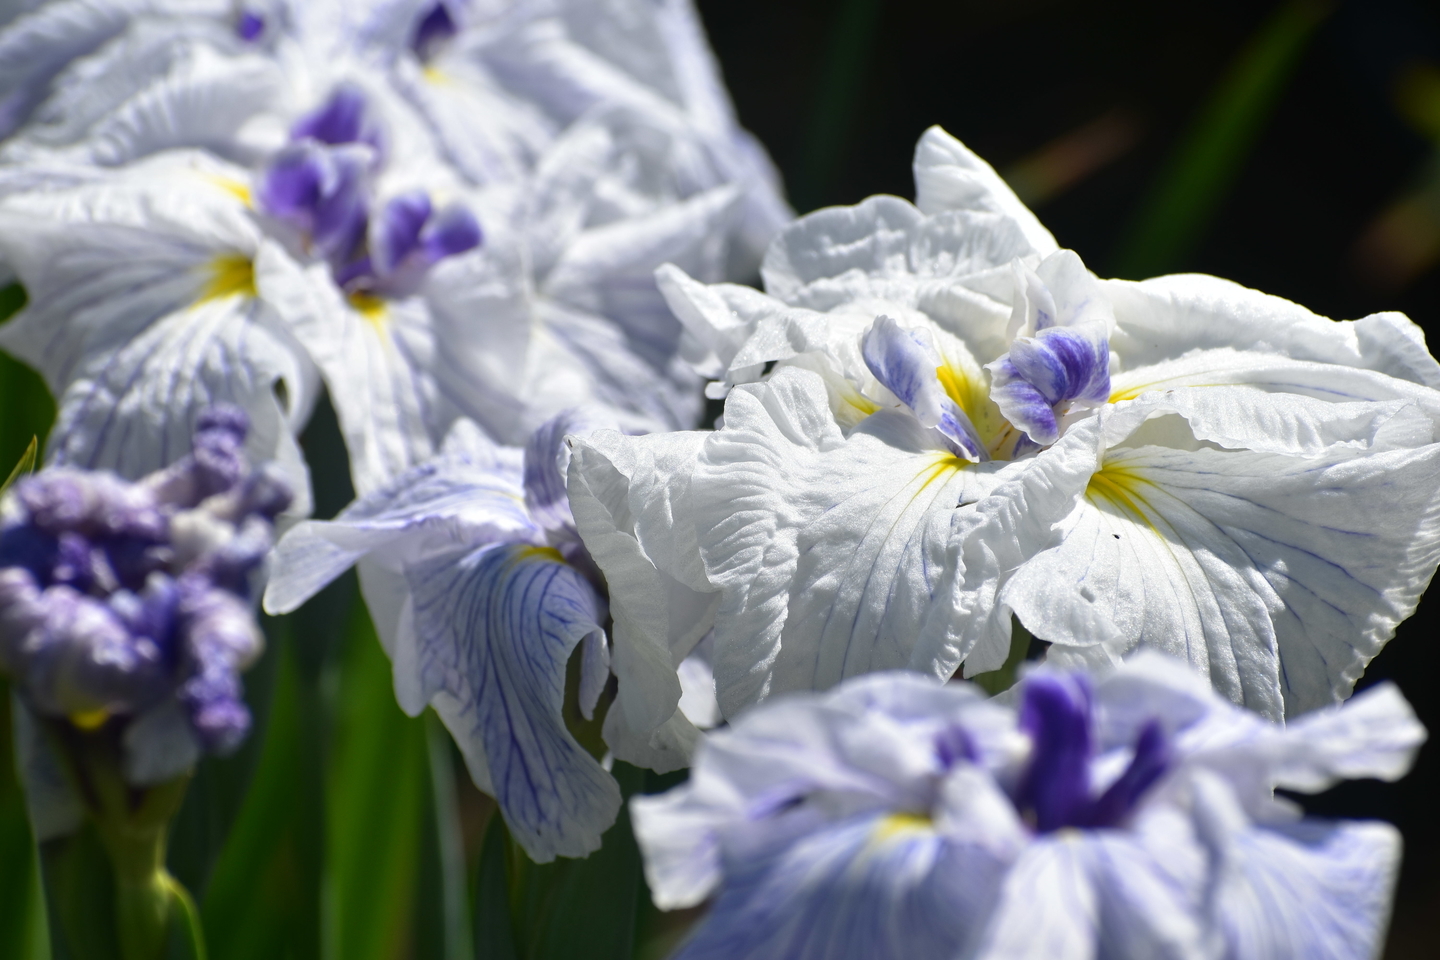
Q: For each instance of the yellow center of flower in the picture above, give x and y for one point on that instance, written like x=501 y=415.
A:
x=902 y=824
x=229 y=275
x=369 y=306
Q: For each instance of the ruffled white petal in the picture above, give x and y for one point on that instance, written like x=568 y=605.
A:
x=1278 y=578
x=832 y=553
x=948 y=176
x=626 y=494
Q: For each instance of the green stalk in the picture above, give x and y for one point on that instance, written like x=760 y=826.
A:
x=133 y=824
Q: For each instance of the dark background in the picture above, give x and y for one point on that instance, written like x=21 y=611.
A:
x=840 y=91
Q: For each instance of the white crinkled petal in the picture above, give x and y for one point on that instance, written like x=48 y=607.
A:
x=1167 y=317
x=948 y=176
x=870 y=886
x=833 y=554
x=147 y=303
x=1298 y=890
x=627 y=494
x=455 y=501
x=1289 y=573
x=1374 y=734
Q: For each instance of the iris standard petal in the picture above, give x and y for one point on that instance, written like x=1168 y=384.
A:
x=495 y=629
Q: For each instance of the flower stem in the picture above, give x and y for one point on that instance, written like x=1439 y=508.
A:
x=133 y=824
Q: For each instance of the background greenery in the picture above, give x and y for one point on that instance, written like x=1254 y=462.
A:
x=1288 y=146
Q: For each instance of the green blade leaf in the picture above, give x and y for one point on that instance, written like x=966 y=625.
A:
x=375 y=806
x=263 y=898
x=23 y=929
x=494 y=926
x=1187 y=193
x=573 y=908
x=26 y=464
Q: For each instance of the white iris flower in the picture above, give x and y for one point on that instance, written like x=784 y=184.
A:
x=150 y=299
x=943 y=420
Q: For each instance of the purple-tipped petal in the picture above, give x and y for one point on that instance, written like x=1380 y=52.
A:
x=1055 y=788
x=906 y=366
x=249 y=26
x=396 y=232
x=342 y=119
x=435 y=28
x=453 y=231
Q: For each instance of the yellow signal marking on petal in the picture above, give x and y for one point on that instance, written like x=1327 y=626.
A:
x=236 y=189
x=369 y=306
x=435 y=75
x=1121 y=488
x=230 y=275
x=88 y=720
x=540 y=553
x=900 y=824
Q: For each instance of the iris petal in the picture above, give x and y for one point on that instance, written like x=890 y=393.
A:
x=495 y=629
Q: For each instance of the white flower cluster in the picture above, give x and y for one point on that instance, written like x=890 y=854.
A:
x=493 y=224
x=440 y=208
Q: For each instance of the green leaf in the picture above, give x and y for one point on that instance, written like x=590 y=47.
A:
x=26 y=464
x=494 y=927
x=442 y=895
x=573 y=908
x=263 y=897
x=80 y=890
x=1187 y=193
x=375 y=806
x=842 y=78
x=23 y=929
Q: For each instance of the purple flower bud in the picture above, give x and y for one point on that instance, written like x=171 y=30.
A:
x=82 y=659
x=266 y=493
x=221 y=639
x=118 y=597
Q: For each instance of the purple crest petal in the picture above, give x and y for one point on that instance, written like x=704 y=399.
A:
x=1055 y=711
x=397 y=230
x=1151 y=761
x=341 y=119
x=1040 y=374
x=249 y=26
x=906 y=366
x=453 y=231
x=434 y=29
